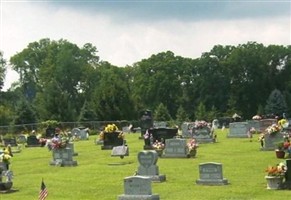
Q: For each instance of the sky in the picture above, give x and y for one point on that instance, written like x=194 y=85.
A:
x=126 y=31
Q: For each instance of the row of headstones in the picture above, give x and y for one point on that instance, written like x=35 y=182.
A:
x=32 y=140
x=236 y=129
x=139 y=186
x=174 y=148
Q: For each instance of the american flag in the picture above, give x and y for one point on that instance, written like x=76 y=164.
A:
x=43 y=192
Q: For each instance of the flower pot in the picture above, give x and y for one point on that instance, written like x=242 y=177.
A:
x=160 y=152
x=192 y=153
x=5 y=185
x=280 y=154
x=274 y=182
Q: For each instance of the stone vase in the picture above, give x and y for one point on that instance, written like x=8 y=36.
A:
x=274 y=182
x=192 y=153
x=280 y=153
x=160 y=152
x=5 y=185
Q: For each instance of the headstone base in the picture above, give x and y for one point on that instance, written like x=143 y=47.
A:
x=267 y=149
x=107 y=147
x=205 y=140
x=64 y=163
x=99 y=142
x=237 y=136
x=139 y=197
x=212 y=182
x=158 y=178
x=37 y=145
x=174 y=155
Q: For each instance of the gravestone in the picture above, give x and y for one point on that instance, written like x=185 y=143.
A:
x=120 y=151
x=176 y=148
x=187 y=128
x=49 y=132
x=63 y=157
x=126 y=129
x=147 y=166
x=238 y=130
x=203 y=135
x=287 y=182
x=211 y=174
x=271 y=141
x=160 y=135
x=146 y=122
x=160 y=124
x=21 y=139
x=84 y=134
x=3 y=166
x=254 y=124
x=112 y=140
x=80 y=133
x=9 y=141
x=265 y=123
x=138 y=188
x=71 y=146
x=215 y=124
x=32 y=141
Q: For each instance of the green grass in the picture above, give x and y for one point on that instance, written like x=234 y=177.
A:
x=93 y=178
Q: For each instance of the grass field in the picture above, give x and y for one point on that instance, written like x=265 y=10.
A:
x=94 y=178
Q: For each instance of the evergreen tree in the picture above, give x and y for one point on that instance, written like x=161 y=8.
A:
x=181 y=115
x=162 y=113
x=276 y=103
x=201 y=112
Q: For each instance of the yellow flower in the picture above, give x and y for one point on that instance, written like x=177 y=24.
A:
x=5 y=157
x=283 y=123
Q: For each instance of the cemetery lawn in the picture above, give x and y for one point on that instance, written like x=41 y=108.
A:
x=100 y=176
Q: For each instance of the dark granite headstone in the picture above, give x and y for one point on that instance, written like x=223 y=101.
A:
x=160 y=134
x=9 y=141
x=112 y=140
x=146 y=121
x=49 y=132
x=32 y=141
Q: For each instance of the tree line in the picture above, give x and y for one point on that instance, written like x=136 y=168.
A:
x=61 y=81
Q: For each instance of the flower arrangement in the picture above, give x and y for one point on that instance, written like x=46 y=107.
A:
x=200 y=124
x=257 y=117
x=147 y=135
x=158 y=145
x=273 y=129
x=277 y=171
x=283 y=123
x=5 y=156
x=58 y=142
x=192 y=145
x=42 y=141
x=110 y=128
